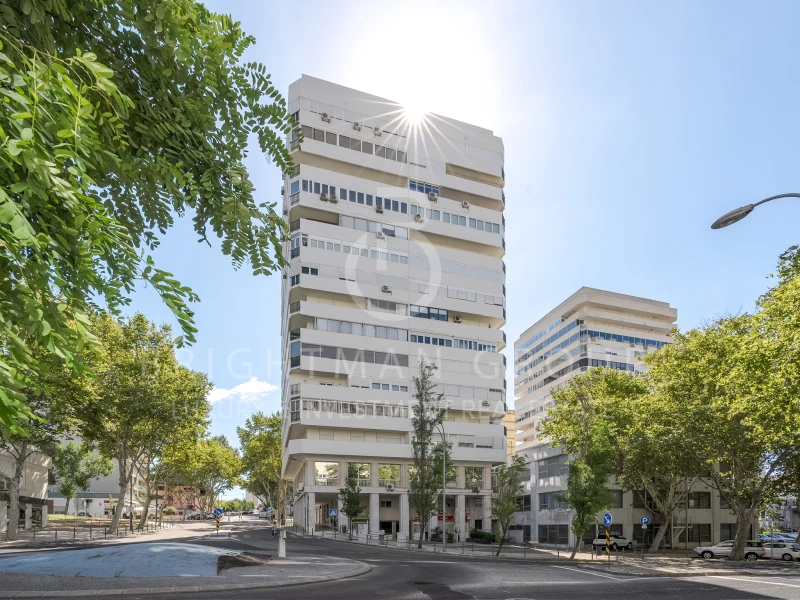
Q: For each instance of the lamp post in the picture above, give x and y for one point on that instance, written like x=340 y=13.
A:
x=740 y=213
x=440 y=425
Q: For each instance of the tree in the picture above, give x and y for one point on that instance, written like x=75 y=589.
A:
x=582 y=426
x=350 y=497
x=739 y=422
x=425 y=478
x=260 y=441
x=219 y=468
x=118 y=116
x=143 y=399
x=74 y=467
x=55 y=404
x=510 y=485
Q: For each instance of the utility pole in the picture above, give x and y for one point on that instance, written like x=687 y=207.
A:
x=131 y=512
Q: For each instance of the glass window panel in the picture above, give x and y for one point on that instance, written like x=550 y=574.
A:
x=330 y=137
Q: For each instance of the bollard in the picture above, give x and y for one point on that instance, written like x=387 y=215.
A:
x=56 y=533
x=282 y=544
x=34 y=534
x=90 y=533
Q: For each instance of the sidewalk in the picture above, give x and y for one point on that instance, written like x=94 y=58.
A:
x=60 y=538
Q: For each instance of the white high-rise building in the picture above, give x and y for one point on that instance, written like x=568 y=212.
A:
x=396 y=257
x=597 y=328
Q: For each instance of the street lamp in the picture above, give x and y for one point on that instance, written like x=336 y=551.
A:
x=740 y=213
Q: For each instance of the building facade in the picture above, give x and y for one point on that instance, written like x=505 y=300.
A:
x=510 y=423
x=33 y=507
x=396 y=257
x=595 y=328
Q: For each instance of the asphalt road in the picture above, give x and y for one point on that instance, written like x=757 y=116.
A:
x=403 y=575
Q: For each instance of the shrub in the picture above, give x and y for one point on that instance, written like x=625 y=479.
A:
x=169 y=510
x=482 y=537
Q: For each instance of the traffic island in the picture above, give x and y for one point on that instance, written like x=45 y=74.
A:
x=153 y=568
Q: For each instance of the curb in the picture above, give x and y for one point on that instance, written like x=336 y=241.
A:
x=153 y=591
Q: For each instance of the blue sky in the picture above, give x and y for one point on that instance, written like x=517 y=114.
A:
x=628 y=128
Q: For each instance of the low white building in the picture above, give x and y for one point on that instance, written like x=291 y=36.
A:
x=33 y=508
x=99 y=499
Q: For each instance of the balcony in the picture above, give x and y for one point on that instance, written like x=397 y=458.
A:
x=388 y=482
x=326 y=481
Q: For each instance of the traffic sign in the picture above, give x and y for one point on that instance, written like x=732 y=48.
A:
x=645 y=520
x=332 y=512
x=644 y=526
x=217 y=512
x=607 y=518
x=217 y=520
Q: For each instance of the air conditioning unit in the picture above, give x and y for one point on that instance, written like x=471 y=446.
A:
x=476 y=489
x=485 y=403
x=418 y=218
x=300 y=487
x=456 y=319
x=386 y=289
x=465 y=204
x=333 y=200
x=389 y=487
x=357 y=126
x=378 y=209
x=593 y=338
x=332 y=197
x=326 y=118
x=285 y=212
x=285 y=276
x=323 y=197
x=283 y=190
x=633 y=344
x=380 y=235
x=377 y=131
x=433 y=197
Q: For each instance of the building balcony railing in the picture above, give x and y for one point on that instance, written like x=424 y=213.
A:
x=364 y=482
x=294 y=389
x=388 y=482
x=327 y=481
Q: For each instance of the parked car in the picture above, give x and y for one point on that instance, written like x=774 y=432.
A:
x=617 y=542
x=754 y=549
x=782 y=550
x=262 y=514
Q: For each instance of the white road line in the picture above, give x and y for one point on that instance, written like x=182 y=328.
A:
x=588 y=573
x=754 y=580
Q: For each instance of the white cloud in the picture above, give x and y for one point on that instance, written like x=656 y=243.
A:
x=252 y=391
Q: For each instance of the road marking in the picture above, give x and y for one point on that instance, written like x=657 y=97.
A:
x=588 y=573
x=754 y=580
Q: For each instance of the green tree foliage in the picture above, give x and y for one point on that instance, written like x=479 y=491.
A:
x=219 y=468
x=350 y=497
x=426 y=479
x=143 y=400
x=117 y=117
x=260 y=442
x=74 y=467
x=582 y=424
x=510 y=483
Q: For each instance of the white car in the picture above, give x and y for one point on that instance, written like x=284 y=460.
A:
x=262 y=514
x=754 y=549
x=617 y=542
x=782 y=550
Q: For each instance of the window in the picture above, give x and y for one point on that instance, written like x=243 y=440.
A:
x=326 y=473
x=360 y=471
x=294 y=187
x=616 y=498
x=550 y=501
x=554 y=466
x=554 y=534
x=424 y=312
x=698 y=532
x=523 y=502
x=473 y=477
x=727 y=531
x=388 y=474
x=699 y=499
x=386 y=504
x=310 y=271
x=330 y=138
x=295 y=280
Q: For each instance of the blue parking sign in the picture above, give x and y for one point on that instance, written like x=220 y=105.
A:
x=607 y=518
x=645 y=520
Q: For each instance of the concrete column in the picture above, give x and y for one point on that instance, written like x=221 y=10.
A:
x=311 y=512
x=342 y=473
x=341 y=518
x=461 y=478
x=487 y=513
x=459 y=517
x=374 y=513
x=373 y=474
x=44 y=514
x=627 y=515
x=28 y=514
x=3 y=516
x=404 y=519
x=433 y=523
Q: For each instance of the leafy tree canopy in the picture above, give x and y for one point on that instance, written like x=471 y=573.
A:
x=117 y=117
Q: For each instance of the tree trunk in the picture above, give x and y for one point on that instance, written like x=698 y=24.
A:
x=13 y=492
x=744 y=518
x=500 y=543
x=145 y=512
x=421 y=533
x=575 y=547
x=662 y=531
x=123 y=489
